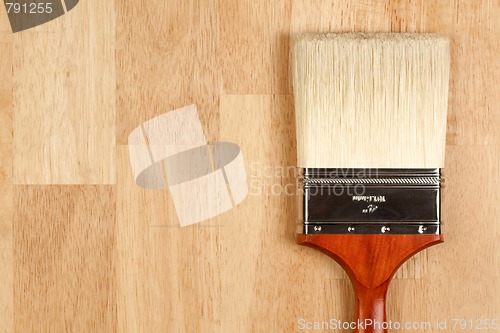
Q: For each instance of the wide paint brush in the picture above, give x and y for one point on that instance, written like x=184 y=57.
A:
x=371 y=129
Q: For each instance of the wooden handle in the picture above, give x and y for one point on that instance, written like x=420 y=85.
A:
x=370 y=308
x=370 y=261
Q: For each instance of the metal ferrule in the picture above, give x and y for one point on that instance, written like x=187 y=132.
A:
x=369 y=201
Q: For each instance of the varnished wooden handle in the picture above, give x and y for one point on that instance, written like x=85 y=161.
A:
x=370 y=261
x=370 y=308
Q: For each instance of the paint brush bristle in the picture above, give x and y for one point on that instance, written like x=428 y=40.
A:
x=371 y=100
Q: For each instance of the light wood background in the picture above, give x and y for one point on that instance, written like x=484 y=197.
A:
x=83 y=249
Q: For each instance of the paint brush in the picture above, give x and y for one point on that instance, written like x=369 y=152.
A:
x=371 y=129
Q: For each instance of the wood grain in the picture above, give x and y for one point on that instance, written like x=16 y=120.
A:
x=6 y=240
x=64 y=274
x=271 y=266
x=71 y=89
x=254 y=38
x=6 y=91
x=167 y=277
x=6 y=187
x=64 y=88
x=166 y=59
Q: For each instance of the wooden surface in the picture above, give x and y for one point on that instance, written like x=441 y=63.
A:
x=83 y=249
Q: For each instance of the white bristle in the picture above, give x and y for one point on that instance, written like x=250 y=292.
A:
x=371 y=100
